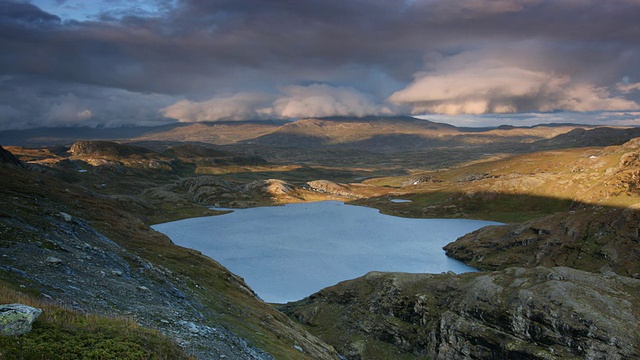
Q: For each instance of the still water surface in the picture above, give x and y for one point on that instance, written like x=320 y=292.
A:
x=285 y=253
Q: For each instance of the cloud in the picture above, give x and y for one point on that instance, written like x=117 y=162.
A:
x=67 y=110
x=627 y=88
x=25 y=104
x=623 y=118
x=482 y=82
x=316 y=100
x=159 y=51
x=24 y=13
x=240 y=106
x=319 y=100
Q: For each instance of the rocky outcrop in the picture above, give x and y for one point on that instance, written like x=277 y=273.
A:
x=99 y=153
x=269 y=187
x=16 y=319
x=540 y=313
x=333 y=188
x=590 y=238
x=216 y=191
x=6 y=157
x=106 y=149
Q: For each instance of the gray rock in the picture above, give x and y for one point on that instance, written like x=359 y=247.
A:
x=53 y=260
x=16 y=319
x=540 y=313
x=66 y=216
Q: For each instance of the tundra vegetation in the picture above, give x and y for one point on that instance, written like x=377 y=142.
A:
x=562 y=276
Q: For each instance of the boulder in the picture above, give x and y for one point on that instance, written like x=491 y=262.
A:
x=16 y=319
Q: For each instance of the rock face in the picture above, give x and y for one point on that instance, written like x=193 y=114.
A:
x=106 y=149
x=16 y=319
x=330 y=187
x=212 y=190
x=540 y=313
x=6 y=157
x=590 y=238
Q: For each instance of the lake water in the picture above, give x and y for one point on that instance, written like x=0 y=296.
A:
x=286 y=253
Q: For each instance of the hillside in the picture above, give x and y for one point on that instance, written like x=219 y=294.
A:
x=219 y=133
x=74 y=225
x=517 y=313
x=71 y=247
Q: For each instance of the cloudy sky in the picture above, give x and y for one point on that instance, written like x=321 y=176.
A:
x=467 y=62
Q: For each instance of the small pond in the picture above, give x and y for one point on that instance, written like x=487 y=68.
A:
x=285 y=253
x=400 y=201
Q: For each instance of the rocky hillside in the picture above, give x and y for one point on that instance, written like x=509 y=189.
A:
x=111 y=153
x=539 y=313
x=221 y=192
x=6 y=157
x=580 y=137
x=69 y=246
x=591 y=238
x=220 y=133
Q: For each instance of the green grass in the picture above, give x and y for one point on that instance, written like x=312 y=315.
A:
x=61 y=333
x=506 y=208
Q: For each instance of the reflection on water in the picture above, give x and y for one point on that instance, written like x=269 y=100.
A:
x=288 y=252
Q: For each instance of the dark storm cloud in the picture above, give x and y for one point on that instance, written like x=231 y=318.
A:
x=16 y=12
x=468 y=56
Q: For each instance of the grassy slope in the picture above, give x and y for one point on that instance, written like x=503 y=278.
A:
x=518 y=188
x=227 y=300
x=63 y=332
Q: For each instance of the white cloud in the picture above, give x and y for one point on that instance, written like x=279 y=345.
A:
x=317 y=100
x=627 y=118
x=240 y=106
x=627 y=88
x=320 y=100
x=484 y=83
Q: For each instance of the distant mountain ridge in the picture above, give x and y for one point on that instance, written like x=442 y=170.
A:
x=370 y=133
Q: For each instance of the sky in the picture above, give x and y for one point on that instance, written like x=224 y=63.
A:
x=466 y=62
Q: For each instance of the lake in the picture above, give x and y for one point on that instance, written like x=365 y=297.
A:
x=286 y=253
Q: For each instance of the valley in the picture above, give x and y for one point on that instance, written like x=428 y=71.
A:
x=560 y=280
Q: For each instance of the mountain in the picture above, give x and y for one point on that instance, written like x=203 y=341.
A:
x=67 y=135
x=599 y=136
x=352 y=132
x=371 y=133
x=219 y=133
